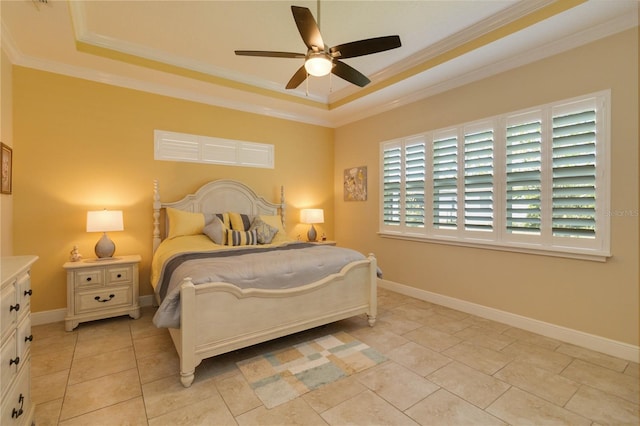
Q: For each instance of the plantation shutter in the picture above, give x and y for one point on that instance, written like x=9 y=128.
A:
x=414 y=184
x=445 y=183
x=392 y=184
x=523 y=176
x=478 y=180
x=574 y=174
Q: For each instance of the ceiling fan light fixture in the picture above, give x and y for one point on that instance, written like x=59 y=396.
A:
x=318 y=64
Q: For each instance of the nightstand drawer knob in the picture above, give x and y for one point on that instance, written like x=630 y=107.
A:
x=111 y=296
x=28 y=338
x=28 y=292
x=15 y=307
x=15 y=361
x=88 y=279
x=119 y=275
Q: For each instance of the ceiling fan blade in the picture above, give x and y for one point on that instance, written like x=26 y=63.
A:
x=350 y=74
x=269 y=54
x=308 y=27
x=298 y=78
x=365 y=47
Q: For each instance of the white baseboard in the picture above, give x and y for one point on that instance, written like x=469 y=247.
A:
x=579 y=338
x=57 y=315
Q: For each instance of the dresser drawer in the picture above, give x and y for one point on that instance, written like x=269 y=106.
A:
x=16 y=405
x=9 y=362
x=106 y=298
x=24 y=337
x=9 y=313
x=89 y=278
x=119 y=275
x=23 y=287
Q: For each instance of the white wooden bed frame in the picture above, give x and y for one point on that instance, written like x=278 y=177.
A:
x=219 y=317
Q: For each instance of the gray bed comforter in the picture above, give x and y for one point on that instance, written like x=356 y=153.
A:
x=279 y=267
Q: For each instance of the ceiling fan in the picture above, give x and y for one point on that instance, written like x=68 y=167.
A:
x=320 y=59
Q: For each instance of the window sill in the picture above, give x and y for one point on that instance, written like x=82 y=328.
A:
x=591 y=255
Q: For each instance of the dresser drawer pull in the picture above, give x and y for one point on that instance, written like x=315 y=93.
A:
x=15 y=361
x=28 y=292
x=119 y=275
x=17 y=413
x=111 y=296
x=15 y=307
x=88 y=279
x=28 y=338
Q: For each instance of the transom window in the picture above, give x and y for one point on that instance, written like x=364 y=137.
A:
x=535 y=180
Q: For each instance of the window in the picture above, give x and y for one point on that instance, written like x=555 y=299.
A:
x=172 y=146
x=534 y=181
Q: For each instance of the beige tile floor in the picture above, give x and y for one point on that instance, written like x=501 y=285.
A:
x=445 y=367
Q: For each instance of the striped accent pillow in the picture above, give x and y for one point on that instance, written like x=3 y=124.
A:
x=241 y=238
x=224 y=217
x=239 y=222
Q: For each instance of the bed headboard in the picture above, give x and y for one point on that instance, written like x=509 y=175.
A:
x=218 y=196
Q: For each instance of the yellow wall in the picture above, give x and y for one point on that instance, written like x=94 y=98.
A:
x=81 y=145
x=597 y=298
x=6 y=136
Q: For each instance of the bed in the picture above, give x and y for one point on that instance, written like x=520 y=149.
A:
x=208 y=313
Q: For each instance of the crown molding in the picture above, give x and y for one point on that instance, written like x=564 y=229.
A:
x=483 y=27
x=85 y=36
x=606 y=29
x=339 y=116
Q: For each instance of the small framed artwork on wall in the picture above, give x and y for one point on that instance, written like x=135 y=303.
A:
x=355 y=184
x=6 y=161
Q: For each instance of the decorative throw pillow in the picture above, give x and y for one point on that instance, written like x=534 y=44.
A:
x=216 y=231
x=184 y=223
x=241 y=238
x=224 y=217
x=239 y=222
x=264 y=231
x=276 y=222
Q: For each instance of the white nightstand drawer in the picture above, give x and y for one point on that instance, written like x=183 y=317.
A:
x=119 y=275
x=91 y=301
x=89 y=278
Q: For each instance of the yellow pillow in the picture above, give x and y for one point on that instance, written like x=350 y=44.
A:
x=239 y=222
x=184 y=223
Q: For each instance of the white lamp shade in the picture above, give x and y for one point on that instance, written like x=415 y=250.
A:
x=312 y=216
x=104 y=221
x=318 y=66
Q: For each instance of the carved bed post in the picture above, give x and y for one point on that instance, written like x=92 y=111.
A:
x=156 y=215
x=282 y=207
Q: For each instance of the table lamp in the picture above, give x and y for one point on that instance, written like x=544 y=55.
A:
x=104 y=221
x=312 y=216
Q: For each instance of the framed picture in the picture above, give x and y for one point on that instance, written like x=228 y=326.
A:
x=355 y=184
x=6 y=160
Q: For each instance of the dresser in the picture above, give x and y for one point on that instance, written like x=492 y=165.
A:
x=15 y=353
x=99 y=289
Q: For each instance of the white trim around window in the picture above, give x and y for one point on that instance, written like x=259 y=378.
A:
x=534 y=181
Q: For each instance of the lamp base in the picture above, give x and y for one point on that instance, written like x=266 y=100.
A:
x=105 y=247
x=311 y=234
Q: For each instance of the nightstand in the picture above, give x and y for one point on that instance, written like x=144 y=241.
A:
x=99 y=289
x=324 y=243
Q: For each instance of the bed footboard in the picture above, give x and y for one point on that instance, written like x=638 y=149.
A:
x=219 y=317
